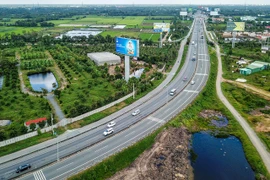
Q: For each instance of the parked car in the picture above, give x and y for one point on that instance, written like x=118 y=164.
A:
x=108 y=131
x=192 y=82
x=23 y=168
x=136 y=112
x=111 y=124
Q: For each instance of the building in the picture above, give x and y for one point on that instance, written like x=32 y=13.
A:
x=255 y=67
x=100 y=58
x=35 y=121
x=248 y=18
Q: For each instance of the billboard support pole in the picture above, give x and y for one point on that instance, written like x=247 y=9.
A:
x=127 y=67
x=160 y=43
x=233 y=39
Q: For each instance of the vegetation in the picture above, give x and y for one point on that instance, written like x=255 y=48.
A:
x=249 y=106
x=16 y=106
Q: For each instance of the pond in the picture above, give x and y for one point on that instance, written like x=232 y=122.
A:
x=1 y=81
x=219 y=158
x=43 y=81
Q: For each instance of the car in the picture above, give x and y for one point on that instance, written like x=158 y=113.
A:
x=111 y=124
x=172 y=92
x=136 y=112
x=192 y=82
x=194 y=53
x=185 y=79
x=23 y=168
x=108 y=131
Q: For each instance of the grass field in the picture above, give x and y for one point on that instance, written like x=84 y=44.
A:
x=153 y=36
x=120 y=33
x=93 y=19
x=18 y=30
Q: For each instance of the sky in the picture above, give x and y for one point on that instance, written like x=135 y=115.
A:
x=260 y=2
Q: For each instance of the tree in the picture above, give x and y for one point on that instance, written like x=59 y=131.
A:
x=41 y=124
x=32 y=126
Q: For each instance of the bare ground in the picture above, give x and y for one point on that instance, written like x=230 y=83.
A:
x=167 y=159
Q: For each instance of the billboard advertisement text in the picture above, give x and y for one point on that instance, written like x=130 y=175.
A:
x=129 y=47
x=164 y=26
x=235 y=26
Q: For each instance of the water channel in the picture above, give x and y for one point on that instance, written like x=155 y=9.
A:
x=43 y=81
x=219 y=158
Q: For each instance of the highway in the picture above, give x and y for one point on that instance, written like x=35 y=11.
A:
x=128 y=129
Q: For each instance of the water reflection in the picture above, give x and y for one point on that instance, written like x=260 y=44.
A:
x=43 y=81
x=1 y=81
x=219 y=158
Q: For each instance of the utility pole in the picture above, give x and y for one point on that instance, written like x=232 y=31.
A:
x=52 y=123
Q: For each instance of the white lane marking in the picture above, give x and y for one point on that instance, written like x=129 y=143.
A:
x=191 y=91
x=100 y=148
x=203 y=60
x=130 y=133
x=155 y=119
x=39 y=175
x=201 y=74
x=64 y=166
x=167 y=110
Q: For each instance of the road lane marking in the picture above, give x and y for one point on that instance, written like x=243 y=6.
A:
x=191 y=91
x=167 y=110
x=39 y=175
x=155 y=119
x=201 y=74
x=130 y=133
x=100 y=148
x=64 y=166
x=203 y=60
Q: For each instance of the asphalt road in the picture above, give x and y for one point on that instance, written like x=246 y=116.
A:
x=128 y=129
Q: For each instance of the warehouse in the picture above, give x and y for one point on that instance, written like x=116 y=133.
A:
x=100 y=58
x=255 y=67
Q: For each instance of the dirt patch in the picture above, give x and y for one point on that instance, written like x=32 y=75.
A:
x=206 y=114
x=167 y=159
x=260 y=119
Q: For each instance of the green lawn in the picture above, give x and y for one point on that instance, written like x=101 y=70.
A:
x=132 y=20
x=18 y=30
x=120 y=33
x=153 y=36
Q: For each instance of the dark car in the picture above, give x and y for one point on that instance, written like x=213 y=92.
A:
x=23 y=168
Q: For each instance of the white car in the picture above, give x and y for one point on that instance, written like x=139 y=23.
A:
x=111 y=124
x=192 y=82
x=108 y=131
x=136 y=112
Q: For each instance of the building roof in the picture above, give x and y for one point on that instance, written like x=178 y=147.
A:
x=35 y=121
x=104 y=57
x=262 y=63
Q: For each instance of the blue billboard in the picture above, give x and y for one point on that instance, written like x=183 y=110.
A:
x=129 y=47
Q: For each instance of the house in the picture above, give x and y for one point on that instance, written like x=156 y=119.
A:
x=35 y=121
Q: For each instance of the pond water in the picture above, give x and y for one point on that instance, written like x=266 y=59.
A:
x=1 y=81
x=43 y=80
x=219 y=158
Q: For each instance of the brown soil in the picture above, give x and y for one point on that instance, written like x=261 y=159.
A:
x=209 y=114
x=263 y=124
x=167 y=159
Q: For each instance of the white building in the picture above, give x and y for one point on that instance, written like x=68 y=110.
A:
x=100 y=58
